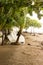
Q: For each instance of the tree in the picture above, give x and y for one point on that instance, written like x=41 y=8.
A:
x=22 y=22
x=33 y=23
x=6 y=23
x=9 y=9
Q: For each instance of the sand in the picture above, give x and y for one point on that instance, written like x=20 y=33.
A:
x=23 y=54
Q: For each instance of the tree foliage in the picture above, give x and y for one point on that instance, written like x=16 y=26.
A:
x=9 y=9
x=12 y=12
x=33 y=22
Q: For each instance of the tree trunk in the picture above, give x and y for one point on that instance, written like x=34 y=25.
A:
x=19 y=33
x=5 y=39
x=8 y=31
x=2 y=40
x=5 y=34
x=2 y=37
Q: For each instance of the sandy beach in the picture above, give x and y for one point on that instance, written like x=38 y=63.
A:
x=31 y=53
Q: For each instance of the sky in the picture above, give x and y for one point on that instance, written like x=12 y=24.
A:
x=34 y=16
